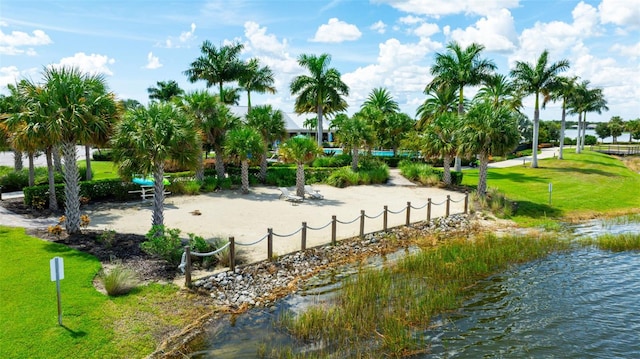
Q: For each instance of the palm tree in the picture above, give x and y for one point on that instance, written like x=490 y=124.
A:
x=460 y=67
x=616 y=126
x=147 y=137
x=394 y=129
x=230 y=95
x=563 y=89
x=270 y=124
x=165 y=91
x=321 y=92
x=355 y=132
x=534 y=79
x=80 y=105
x=217 y=66
x=582 y=101
x=300 y=150
x=257 y=79
x=10 y=106
x=499 y=90
x=381 y=99
x=242 y=145
x=201 y=105
x=440 y=139
x=488 y=130
x=633 y=126
x=440 y=100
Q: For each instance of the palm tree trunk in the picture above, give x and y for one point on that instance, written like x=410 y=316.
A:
x=219 y=162
x=263 y=166
x=584 y=131
x=87 y=156
x=536 y=127
x=300 y=180
x=579 y=138
x=32 y=170
x=158 y=195
x=71 y=188
x=457 y=162
x=17 y=160
x=482 y=174
x=53 y=200
x=562 y=129
x=245 y=176
x=319 y=126
x=354 y=158
x=248 y=101
x=57 y=161
x=200 y=168
x=446 y=175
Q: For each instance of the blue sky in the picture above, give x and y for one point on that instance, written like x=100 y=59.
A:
x=376 y=43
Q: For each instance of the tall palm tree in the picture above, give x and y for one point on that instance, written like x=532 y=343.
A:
x=487 y=131
x=500 y=91
x=595 y=102
x=202 y=106
x=460 y=67
x=441 y=140
x=355 y=132
x=300 y=150
x=536 y=79
x=270 y=123
x=633 y=126
x=147 y=137
x=165 y=91
x=256 y=79
x=80 y=104
x=320 y=92
x=582 y=101
x=243 y=144
x=563 y=89
x=217 y=65
x=440 y=100
x=215 y=127
x=230 y=96
x=381 y=99
x=10 y=106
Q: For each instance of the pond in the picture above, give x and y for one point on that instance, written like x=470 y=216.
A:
x=577 y=304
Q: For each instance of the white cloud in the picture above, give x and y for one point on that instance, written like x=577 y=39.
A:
x=620 y=12
x=336 y=31
x=11 y=44
x=379 y=27
x=632 y=51
x=496 y=32
x=437 y=8
x=410 y=20
x=8 y=75
x=262 y=43
x=94 y=63
x=153 y=62
x=185 y=39
x=426 y=30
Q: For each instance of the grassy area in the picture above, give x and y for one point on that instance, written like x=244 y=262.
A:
x=94 y=325
x=617 y=242
x=583 y=185
x=381 y=313
x=101 y=169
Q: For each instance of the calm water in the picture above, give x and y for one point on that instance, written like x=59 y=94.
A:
x=580 y=304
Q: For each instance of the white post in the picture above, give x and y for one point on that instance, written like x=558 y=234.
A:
x=57 y=273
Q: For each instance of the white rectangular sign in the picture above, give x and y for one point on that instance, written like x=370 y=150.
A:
x=57 y=268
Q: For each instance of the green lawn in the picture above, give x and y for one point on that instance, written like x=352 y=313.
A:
x=94 y=325
x=101 y=169
x=583 y=185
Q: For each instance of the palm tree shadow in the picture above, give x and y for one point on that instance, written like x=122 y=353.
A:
x=537 y=210
x=73 y=333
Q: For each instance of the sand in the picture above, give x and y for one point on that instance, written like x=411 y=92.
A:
x=247 y=217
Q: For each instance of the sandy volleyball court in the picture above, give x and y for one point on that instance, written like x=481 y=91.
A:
x=247 y=217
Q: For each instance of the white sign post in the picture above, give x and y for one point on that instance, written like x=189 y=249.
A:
x=57 y=273
x=550 y=190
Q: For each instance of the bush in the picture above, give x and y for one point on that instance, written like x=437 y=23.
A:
x=423 y=173
x=164 y=243
x=345 y=176
x=103 y=155
x=119 y=280
x=590 y=140
x=340 y=160
x=209 y=184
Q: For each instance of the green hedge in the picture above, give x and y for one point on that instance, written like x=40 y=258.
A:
x=38 y=196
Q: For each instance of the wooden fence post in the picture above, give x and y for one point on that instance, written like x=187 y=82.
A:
x=384 y=218
x=361 y=223
x=448 y=205
x=334 y=222
x=304 y=236
x=270 y=244
x=408 y=219
x=428 y=209
x=187 y=267
x=232 y=254
x=466 y=202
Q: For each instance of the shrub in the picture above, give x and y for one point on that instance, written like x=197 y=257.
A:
x=209 y=184
x=103 y=155
x=343 y=177
x=223 y=256
x=164 y=243
x=108 y=237
x=119 y=280
x=423 y=173
x=590 y=140
x=332 y=160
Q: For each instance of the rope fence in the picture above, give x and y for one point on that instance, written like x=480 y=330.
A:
x=185 y=264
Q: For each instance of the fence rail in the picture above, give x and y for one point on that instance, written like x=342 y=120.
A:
x=621 y=150
x=185 y=264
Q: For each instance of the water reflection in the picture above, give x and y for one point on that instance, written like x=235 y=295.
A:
x=578 y=304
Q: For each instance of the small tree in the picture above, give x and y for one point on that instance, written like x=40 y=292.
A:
x=441 y=140
x=300 y=150
x=244 y=144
